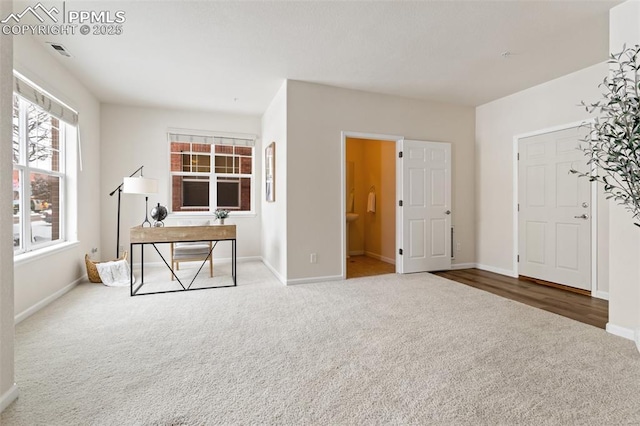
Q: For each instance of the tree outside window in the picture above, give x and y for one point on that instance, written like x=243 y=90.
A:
x=38 y=176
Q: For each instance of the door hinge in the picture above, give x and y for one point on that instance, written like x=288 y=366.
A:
x=400 y=154
x=518 y=156
x=518 y=206
x=518 y=258
x=400 y=203
x=400 y=251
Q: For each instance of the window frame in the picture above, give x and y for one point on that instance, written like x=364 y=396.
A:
x=213 y=175
x=25 y=170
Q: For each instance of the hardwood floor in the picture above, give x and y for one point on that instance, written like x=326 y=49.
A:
x=364 y=266
x=579 y=307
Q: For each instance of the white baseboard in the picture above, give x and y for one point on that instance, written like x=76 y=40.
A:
x=274 y=272
x=616 y=330
x=8 y=397
x=456 y=266
x=310 y=280
x=220 y=260
x=356 y=252
x=245 y=259
x=497 y=270
x=44 y=302
x=380 y=257
x=637 y=336
x=601 y=295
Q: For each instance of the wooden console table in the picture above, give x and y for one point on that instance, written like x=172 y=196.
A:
x=140 y=235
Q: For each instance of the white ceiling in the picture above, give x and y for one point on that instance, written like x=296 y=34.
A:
x=233 y=56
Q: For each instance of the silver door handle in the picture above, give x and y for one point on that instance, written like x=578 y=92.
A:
x=447 y=212
x=582 y=216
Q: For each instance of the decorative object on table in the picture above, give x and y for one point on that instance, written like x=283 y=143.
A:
x=221 y=215
x=149 y=186
x=92 y=270
x=158 y=214
x=613 y=142
x=270 y=172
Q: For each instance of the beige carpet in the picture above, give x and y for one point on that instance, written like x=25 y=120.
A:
x=414 y=349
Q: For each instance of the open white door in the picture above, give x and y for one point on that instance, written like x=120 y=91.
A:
x=424 y=212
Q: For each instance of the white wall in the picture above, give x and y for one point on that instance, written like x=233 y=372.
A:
x=553 y=103
x=7 y=390
x=41 y=277
x=134 y=137
x=274 y=214
x=624 y=254
x=316 y=116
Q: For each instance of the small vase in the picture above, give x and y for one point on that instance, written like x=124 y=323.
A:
x=221 y=221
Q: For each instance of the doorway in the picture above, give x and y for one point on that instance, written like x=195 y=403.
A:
x=423 y=211
x=555 y=209
x=370 y=190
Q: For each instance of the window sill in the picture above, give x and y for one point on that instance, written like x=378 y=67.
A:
x=24 y=258
x=207 y=215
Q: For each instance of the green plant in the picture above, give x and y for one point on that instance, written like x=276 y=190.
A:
x=613 y=144
x=221 y=213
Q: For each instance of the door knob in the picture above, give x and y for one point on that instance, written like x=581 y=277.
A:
x=447 y=212
x=582 y=216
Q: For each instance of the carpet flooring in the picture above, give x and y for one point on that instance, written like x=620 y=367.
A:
x=390 y=349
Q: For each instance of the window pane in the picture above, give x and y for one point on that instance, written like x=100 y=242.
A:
x=16 y=129
x=17 y=223
x=229 y=194
x=44 y=208
x=201 y=147
x=190 y=157
x=224 y=164
x=243 y=150
x=186 y=162
x=176 y=162
x=195 y=193
x=190 y=193
x=245 y=165
x=201 y=163
x=43 y=143
x=234 y=193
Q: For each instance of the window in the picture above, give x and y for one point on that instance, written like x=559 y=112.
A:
x=39 y=178
x=197 y=161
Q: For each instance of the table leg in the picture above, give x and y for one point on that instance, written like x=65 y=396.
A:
x=131 y=267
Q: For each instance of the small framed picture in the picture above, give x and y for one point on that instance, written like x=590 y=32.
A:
x=270 y=172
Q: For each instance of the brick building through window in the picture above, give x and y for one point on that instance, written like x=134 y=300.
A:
x=199 y=161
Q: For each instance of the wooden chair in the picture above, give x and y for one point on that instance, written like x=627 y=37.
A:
x=191 y=251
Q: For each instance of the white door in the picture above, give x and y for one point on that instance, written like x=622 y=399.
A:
x=554 y=224
x=424 y=220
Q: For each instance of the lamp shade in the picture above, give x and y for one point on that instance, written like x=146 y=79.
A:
x=139 y=185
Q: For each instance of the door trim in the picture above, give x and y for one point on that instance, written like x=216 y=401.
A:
x=594 y=202
x=343 y=183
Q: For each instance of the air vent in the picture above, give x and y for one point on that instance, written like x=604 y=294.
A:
x=60 y=49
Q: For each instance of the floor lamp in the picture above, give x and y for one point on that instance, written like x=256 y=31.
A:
x=134 y=185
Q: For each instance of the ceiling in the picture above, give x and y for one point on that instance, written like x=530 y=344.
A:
x=233 y=56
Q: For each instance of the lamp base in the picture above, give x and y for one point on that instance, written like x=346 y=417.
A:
x=146 y=214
